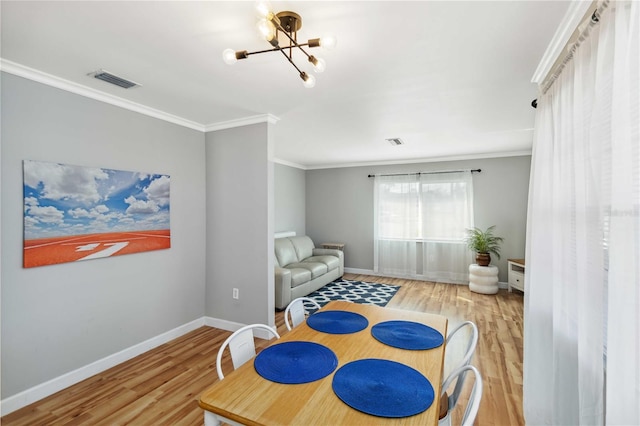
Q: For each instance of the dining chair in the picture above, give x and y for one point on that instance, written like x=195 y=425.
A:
x=474 y=398
x=241 y=346
x=296 y=310
x=470 y=349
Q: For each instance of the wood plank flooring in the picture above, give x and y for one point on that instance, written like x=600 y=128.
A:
x=162 y=386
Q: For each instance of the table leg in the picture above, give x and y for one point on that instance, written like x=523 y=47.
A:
x=211 y=419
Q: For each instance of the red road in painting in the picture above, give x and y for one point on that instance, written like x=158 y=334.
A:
x=48 y=251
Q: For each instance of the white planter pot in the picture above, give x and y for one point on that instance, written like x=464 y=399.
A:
x=483 y=279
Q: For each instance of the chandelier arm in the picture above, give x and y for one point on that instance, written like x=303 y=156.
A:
x=294 y=42
x=275 y=49
x=290 y=61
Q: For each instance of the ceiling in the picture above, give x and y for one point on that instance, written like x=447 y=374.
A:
x=452 y=79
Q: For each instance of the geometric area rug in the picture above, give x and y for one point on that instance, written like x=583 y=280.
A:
x=353 y=291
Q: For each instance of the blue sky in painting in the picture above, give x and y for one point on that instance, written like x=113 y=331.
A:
x=61 y=199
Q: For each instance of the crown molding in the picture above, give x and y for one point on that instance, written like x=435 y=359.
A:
x=254 y=119
x=289 y=163
x=79 y=89
x=574 y=16
x=423 y=160
x=60 y=83
x=88 y=92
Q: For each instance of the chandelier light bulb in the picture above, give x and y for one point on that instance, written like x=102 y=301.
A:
x=319 y=64
x=308 y=81
x=263 y=8
x=328 y=42
x=229 y=56
x=267 y=29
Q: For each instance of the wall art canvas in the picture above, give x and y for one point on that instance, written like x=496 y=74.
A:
x=74 y=213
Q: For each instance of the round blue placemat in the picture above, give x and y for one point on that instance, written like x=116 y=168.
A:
x=337 y=322
x=295 y=362
x=407 y=335
x=383 y=388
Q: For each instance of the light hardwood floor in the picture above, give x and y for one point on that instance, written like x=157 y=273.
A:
x=162 y=386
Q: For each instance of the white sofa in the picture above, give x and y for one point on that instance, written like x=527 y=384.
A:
x=301 y=268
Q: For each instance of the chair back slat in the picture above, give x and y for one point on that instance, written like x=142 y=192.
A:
x=241 y=345
x=297 y=311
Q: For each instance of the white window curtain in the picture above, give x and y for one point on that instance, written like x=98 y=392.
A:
x=582 y=305
x=419 y=225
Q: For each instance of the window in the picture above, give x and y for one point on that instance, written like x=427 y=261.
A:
x=420 y=222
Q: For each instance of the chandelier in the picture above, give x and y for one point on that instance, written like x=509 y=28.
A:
x=283 y=27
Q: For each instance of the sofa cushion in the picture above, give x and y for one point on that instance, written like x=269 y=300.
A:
x=285 y=252
x=316 y=268
x=299 y=276
x=332 y=262
x=303 y=246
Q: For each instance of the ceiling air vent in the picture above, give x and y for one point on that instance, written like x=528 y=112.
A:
x=395 y=141
x=114 y=79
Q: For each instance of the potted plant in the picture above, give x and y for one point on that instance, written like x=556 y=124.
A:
x=484 y=243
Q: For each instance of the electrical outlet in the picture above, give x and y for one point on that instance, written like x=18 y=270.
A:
x=236 y=293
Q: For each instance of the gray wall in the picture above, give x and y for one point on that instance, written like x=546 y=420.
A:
x=239 y=188
x=58 y=318
x=289 y=188
x=339 y=205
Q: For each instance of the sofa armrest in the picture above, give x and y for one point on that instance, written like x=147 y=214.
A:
x=283 y=287
x=330 y=252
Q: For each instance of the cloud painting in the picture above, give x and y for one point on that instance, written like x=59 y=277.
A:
x=78 y=213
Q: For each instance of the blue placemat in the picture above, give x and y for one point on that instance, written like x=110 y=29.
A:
x=295 y=362
x=337 y=322
x=407 y=335
x=383 y=388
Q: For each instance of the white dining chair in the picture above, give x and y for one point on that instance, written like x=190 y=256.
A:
x=297 y=311
x=241 y=346
x=469 y=350
x=475 y=397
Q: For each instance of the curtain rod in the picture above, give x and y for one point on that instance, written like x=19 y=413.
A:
x=582 y=32
x=428 y=173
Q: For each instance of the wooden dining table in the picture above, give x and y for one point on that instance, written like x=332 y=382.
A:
x=245 y=397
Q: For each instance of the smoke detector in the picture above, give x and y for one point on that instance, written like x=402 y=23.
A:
x=395 y=141
x=105 y=75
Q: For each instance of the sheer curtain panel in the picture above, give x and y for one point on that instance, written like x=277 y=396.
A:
x=419 y=225
x=582 y=306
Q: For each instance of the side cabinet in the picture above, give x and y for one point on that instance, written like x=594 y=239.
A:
x=516 y=274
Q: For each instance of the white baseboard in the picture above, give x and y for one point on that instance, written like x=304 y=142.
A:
x=360 y=271
x=233 y=326
x=43 y=390
x=222 y=324
x=38 y=392
x=375 y=274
